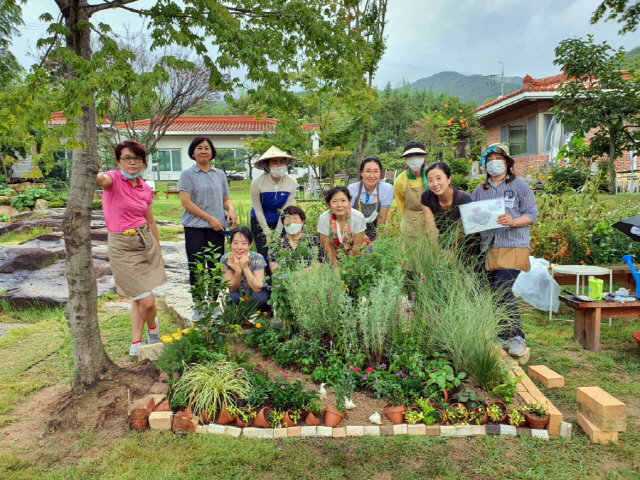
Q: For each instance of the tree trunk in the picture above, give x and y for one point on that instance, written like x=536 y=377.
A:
x=91 y=360
x=612 y=163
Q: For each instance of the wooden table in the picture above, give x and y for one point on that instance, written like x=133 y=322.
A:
x=586 y=328
x=171 y=192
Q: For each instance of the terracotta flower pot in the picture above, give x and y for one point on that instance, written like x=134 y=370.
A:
x=204 y=417
x=466 y=413
x=242 y=424
x=537 y=423
x=286 y=421
x=475 y=413
x=312 y=421
x=225 y=418
x=503 y=408
x=333 y=417
x=395 y=414
x=262 y=418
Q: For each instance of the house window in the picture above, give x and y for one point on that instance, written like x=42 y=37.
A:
x=169 y=160
x=517 y=139
x=521 y=136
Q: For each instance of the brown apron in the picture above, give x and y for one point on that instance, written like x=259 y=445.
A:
x=368 y=209
x=136 y=262
x=412 y=225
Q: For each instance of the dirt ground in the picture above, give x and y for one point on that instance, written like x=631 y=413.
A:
x=54 y=415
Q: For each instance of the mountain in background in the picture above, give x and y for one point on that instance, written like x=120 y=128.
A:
x=470 y=88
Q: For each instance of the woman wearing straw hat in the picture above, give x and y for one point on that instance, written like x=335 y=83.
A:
x=204 y=194
x=507 y=248
x=271 y=193
x=408 y=189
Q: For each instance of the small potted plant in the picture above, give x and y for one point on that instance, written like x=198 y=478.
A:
x=537 y=415
x=429 y=412
x=244 y=415
x=516 y=418
x=314 y=415
x=497 y=412
x=276 y=418
x=478 y=416
x=459 y=414
x=413 y=415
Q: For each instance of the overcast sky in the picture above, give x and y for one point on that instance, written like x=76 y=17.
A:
x=425 y=37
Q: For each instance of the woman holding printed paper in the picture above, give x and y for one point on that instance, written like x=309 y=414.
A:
x=507 y=248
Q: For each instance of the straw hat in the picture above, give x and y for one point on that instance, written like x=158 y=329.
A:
x=273 y=152
x=500 y=148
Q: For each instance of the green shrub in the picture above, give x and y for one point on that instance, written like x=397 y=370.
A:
x=4 y=217
x=564 y=179
x=29 y=196
x=96 y=205
x=56 y=203
x=191 y=348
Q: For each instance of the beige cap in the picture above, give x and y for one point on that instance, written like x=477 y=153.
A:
x=272 y=152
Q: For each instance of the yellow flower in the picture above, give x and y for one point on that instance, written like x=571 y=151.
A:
x=166 y=338
x=258 y=325
x=549 y=177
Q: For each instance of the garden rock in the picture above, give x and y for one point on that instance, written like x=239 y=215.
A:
x=27 y=258
x=164 y=378
x=41 y=204
x=9 y=210
x=150 y=352
x=116 y=307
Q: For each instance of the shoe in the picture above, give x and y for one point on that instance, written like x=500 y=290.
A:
x=516 y=346
x=153 y=335
x=133 y=350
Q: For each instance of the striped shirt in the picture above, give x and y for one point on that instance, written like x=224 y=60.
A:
x=207 y=190
x=524 y=204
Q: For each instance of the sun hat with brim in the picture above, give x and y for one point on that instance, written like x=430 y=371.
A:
x=413 y=148
x=273 y=152
x=500 y=148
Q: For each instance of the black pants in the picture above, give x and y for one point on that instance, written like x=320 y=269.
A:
x=260 y=298
x=196 y=239
x=501 y=282
x=261 y=242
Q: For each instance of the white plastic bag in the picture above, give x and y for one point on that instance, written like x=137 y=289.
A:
x=537 y=286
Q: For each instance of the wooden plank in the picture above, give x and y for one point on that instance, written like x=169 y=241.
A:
x=578 y=326
x=592 y=330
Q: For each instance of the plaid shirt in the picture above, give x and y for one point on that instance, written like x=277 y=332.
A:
x=524 y=204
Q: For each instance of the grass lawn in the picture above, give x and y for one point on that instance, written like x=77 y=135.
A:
x=34 y=356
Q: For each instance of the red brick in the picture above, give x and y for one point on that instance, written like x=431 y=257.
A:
x=162 y=407
x=141 y=409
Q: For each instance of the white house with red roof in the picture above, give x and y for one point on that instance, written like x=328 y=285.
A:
x=523 y=120
x=225 y=131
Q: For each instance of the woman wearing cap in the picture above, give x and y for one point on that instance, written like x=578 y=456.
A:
x=341 y=228
x=204 y=194
x=134 y=245
x=371 y=196
x=408 y=189
x=507 y=248
x=271 y=193
x=294 y=244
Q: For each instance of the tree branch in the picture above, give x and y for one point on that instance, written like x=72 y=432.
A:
x=91 y=9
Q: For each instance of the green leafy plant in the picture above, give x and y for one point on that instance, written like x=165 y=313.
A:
x=210 y=386
x=412 y=416
x=537 y=410
x=237 y=313
x=515 y=417
x=476 y=416
x=4 y=217
x=209 y=282
x=29 y=196
x=276 y=418
x=429 y=413
x=191 y=348
x=245 y=414
x=495 y=412
x=507 y=389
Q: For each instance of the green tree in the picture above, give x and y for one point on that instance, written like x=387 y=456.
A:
x=10 y=21
x=268 y=39
x=599 y=97
x=626 y=12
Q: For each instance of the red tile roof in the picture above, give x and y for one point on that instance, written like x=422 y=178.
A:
x=57 y=118
x=226 y=123
x=546 y=84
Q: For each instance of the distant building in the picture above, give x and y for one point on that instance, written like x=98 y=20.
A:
x=522 y=119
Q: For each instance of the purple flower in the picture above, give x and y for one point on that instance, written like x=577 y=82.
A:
x=240 y=371
x=377 y=380
x=383 y=365
x=329 y=294
x=421 y=278
x=303 y=390
x=281 y=387
x=313 y=387
x=364 y=377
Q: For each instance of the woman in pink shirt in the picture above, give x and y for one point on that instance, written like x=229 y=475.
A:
x=134 y=246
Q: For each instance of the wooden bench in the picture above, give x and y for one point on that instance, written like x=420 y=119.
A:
x=586 y=329
x=171 y=192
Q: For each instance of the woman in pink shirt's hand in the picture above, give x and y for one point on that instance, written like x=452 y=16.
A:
x=134 y=245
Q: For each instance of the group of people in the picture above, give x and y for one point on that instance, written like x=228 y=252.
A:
x=425 y=199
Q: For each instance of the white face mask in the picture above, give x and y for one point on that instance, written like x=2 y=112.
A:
x=415 y=162
x=495 y=168
x=371 y=218
x=278 y=172
x=293 y=228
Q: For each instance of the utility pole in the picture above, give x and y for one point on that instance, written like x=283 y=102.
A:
x=502 y=80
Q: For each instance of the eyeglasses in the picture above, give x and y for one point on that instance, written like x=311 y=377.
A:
x=134 y=160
